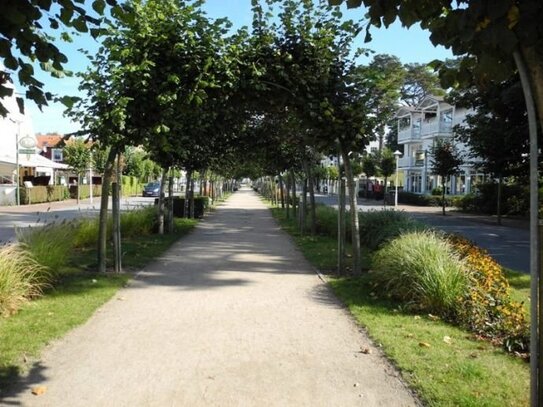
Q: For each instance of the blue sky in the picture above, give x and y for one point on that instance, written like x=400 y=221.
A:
x=411 y=45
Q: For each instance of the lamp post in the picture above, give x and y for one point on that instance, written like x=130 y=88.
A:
x=397 y=154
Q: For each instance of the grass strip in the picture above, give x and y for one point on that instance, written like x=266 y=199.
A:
x=444 y=364
x=73 y=300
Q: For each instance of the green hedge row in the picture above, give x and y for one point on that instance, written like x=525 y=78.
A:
x=39 y=194
x=85 y=191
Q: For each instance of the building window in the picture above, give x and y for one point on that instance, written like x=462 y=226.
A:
x=57 y=154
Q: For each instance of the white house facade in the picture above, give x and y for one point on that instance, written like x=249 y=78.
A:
x=17 y=135
x=419 y=128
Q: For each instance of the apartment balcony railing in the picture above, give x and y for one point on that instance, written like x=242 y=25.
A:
x=409 y=134
x=435 y=127
x=406 y=162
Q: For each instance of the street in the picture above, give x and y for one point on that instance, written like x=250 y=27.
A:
x=12 y=217
x=508 y=245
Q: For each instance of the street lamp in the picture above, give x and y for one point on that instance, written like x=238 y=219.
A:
x=397 y=154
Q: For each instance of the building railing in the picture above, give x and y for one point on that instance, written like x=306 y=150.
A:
x=406 y=162
x=408 y=134
x=435 y=127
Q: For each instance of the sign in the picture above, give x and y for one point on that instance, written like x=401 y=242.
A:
x=27 y=142
x=27 y=151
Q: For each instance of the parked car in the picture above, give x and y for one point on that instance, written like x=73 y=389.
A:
x=151 y=189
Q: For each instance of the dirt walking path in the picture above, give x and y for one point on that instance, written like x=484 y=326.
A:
x=232 y=315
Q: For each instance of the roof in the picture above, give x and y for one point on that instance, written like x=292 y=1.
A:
x=48 y=140
x=33 y=160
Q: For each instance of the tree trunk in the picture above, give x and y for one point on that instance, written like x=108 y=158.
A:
x=161 y=202
x=281 y=191
x=443 y=187
x=312 y=208
x=187 y=194
x=303 y=208
x=386 y=193
x=104 y=200
x=499 y=198
x=355 y=227
x=341 y=232
x=287 y=206
x=191 y=208
x=78 y=188
x=117 y=217
x=529 y=62
x=294 y=199
x=170 y=202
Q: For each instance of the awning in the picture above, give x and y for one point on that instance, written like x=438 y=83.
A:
x=34 y=160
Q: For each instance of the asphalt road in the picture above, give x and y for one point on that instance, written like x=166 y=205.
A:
x=38 y=215
x=509 y=246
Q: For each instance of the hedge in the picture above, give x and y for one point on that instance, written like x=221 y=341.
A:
x=200 y=204
x=85 y=191
x=411 y=198
x=40 y=194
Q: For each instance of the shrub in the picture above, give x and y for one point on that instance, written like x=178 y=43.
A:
x=422 y=269
x=21 y=277
x=40 y=194
x=487 y=308
x=85 y=191
x=378 y=227
x=86 y=232
x=138 y=222
x=326 y=220
x=50 y=244
x=410 y=198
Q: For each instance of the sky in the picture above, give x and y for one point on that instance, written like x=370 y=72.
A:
x=411 y=45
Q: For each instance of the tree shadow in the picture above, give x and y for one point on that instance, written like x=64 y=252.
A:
x=13 y=383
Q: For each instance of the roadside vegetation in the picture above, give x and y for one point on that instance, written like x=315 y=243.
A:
x=49 y=284
x=441 y=309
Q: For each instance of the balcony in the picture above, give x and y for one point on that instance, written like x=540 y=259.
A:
x=406 y=162
x=435 y=128
x=408 y=135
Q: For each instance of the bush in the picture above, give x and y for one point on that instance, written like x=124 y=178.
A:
x=410 y=198
x=138 y=222
x=40 y=194
x=200 y=204
x=21 y=277
x=515 y=200
x=422 y=269
x=85 y=191
x=487 y=308
x=86 y=232
x=379 y=227
x=50 y=244
x=326 y=220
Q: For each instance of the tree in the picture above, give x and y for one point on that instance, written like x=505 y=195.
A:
x=369 y=166
x=420 y=80
x=390 y=75
x=494 y=131
x=387 y=167
x=501 y=36
x=77 y=155
x=23 y=41
x=445 y=162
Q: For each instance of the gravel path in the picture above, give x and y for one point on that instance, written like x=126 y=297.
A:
x=232 y=315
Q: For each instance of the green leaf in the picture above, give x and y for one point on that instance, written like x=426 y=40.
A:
x=80 y=24
x=99 y=6
x=11 y=63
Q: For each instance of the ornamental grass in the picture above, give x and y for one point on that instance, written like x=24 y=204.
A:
x=21 y=277
x=422 y=270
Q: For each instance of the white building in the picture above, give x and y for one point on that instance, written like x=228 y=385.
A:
x=419 y=128
x=16 y=133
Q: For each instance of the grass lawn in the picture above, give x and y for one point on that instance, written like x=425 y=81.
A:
x=73 y=300
x=442 y=363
